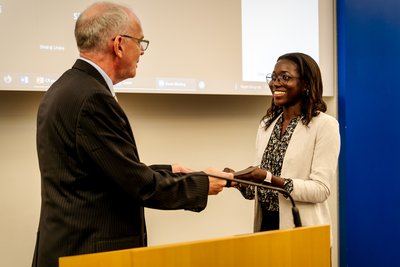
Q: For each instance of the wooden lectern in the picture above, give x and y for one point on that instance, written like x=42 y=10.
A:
x=303 y=246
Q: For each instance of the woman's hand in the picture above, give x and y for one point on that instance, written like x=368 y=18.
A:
x=252 y=173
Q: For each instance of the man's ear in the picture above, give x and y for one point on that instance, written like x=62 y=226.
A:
x=117 y=45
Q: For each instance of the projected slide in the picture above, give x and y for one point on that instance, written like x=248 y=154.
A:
x=273 y=28
x=196 y=47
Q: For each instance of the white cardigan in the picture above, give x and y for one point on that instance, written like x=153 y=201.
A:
x=311 y=162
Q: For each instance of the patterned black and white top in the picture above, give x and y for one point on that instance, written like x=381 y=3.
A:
x=272 y=161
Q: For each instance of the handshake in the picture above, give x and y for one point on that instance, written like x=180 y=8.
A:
x=218 y=180
x=252 y=174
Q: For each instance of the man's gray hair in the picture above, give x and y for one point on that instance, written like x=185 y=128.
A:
x=98 y=24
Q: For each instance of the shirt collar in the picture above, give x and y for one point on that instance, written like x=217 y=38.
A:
x=103 y=74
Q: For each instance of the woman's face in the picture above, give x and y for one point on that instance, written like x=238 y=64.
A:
x=286 y=86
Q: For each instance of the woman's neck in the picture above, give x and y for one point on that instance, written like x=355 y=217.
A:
x=290 y=113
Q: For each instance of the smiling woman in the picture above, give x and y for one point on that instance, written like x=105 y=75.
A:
x=297 y=147
x=229 y=52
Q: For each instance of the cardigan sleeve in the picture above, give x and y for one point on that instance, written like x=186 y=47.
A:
x=323 y=165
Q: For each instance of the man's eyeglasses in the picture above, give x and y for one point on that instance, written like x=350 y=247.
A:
x=283 y=78
x=144 y=44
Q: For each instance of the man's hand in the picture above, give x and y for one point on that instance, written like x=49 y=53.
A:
x=179 y=168
x=216 y=184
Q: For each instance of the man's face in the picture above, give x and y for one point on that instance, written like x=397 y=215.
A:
x=131 y=47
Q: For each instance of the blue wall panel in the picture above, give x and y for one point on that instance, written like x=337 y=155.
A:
x=369 y=114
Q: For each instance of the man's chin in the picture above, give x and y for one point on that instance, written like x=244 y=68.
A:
x=133 y=74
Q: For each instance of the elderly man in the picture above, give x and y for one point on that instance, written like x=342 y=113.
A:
x=94 y=186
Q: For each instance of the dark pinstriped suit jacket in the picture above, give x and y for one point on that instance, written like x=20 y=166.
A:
x=94 y=186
